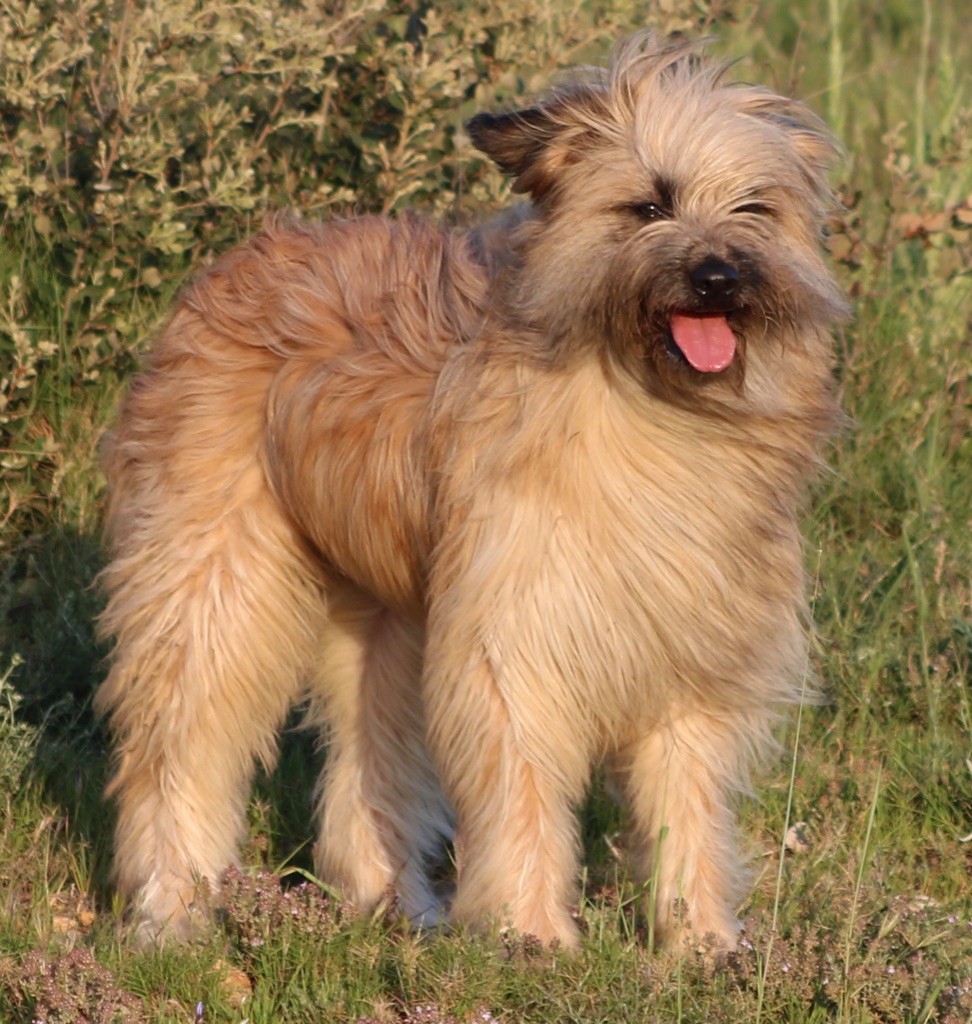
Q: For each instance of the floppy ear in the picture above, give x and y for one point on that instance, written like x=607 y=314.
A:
x=817 y=150
x=811 y=142
x=814 y=146
x=522 y=144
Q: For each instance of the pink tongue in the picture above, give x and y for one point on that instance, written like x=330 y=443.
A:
x=707 y=342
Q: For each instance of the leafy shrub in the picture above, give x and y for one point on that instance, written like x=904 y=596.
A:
x=139 y=137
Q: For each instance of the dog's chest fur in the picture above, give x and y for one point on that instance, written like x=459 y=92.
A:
x=657 y=551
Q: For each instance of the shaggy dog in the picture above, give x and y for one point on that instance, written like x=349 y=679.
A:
x=498 y=505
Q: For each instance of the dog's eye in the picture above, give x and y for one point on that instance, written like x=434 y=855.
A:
x=649 y=211
x=756 y=209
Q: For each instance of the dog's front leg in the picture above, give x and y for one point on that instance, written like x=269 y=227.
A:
x=514 y=771
x=680 y=780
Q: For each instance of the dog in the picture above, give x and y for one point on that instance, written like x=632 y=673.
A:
x=499 y=506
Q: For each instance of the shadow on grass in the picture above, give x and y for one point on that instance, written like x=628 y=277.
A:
x=49 y=603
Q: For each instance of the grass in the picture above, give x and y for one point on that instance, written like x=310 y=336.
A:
x=870 y=921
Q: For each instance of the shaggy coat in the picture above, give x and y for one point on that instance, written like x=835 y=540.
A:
x=496 y=504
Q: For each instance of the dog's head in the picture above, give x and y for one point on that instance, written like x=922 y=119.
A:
x=676 y=216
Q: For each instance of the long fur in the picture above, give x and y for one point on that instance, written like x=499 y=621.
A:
x=458 y=491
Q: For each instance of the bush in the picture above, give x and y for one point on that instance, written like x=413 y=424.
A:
x=140 y=137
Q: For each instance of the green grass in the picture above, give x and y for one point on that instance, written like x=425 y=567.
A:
x=872 y=922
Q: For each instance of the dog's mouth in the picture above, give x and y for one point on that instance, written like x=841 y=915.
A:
x=703 y=340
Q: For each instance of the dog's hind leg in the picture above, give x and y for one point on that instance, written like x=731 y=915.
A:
x=383 y=818
x=214 y=612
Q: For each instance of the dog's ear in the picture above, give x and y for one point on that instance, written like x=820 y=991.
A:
x=817 y=151
x=810 y=141
x=523 y=145
x=815 y=148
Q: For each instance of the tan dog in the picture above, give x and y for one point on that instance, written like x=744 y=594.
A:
x=500 y=506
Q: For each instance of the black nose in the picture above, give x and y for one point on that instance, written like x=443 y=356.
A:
x=714 y=282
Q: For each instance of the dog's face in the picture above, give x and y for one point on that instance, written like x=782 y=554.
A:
x=676 y=216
